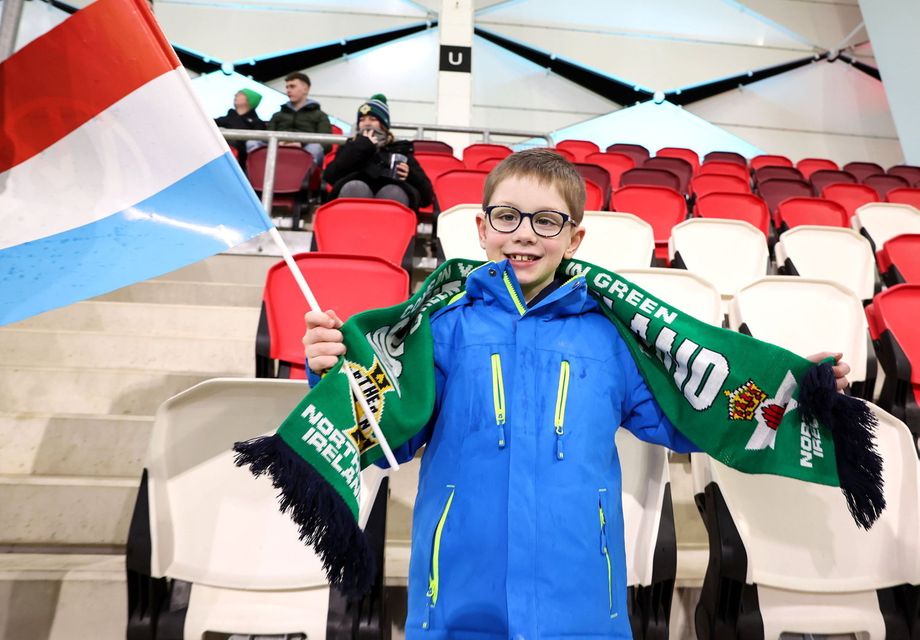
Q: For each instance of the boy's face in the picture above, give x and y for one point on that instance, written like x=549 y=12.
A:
x=296 y=90
x=533 y=258
x=241 y=102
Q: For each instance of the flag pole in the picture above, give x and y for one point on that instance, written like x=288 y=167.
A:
x=314 y=306
x=9 y=27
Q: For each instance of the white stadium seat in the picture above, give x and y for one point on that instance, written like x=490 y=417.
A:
x=882 y=221
x=829 y=253
x=457 y=233
x=615 y=240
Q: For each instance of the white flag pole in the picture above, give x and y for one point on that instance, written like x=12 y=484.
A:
x=314 y=306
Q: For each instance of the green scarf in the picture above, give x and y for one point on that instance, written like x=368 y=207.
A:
x=751 y=405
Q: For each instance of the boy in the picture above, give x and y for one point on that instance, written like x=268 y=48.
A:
x=518 y=525
x=303 y=115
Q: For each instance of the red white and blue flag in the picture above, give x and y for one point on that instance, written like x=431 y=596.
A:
x=110 y=171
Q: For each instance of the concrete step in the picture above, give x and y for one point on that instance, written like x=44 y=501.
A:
x=188 y=292
x=226 y=269
x=148 y=319
x=62 y=597
x=77 y=445
x=65 y=510
x=60 y=390
x=92 y=350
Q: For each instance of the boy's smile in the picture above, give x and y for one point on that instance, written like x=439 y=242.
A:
x=533 y=257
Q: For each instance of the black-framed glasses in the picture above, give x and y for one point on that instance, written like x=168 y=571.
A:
x=506 y=219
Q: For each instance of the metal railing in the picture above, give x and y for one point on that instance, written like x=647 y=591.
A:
x=486 y=133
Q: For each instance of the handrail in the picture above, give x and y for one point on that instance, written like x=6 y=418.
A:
x=487 y=133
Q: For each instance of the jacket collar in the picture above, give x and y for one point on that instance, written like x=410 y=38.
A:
x=495 y=284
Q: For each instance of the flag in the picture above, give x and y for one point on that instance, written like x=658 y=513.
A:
x=110 y=171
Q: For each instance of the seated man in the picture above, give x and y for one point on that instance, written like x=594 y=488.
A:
x=303 y=115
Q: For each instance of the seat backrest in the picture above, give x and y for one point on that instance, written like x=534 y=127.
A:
x=637 y=152
x=659 y=206
x=460 y=187
x=903 y=252
x=904 y=196
x=863 y=170
x=369 y=227
x=830 y=253
x=897 y=309
x=436 y=164
x=578 y=148
x=809 y=165
x=725 y=168
x=211 y=522
x=291 y=167
x=725 y=156
x=728 y=253
x=596 y=174
x=759 y=162
x=718 y=183
x=805 y=316
x=615 y=164
x=684 y=290
x=813 y=211
x=595 y=198
x=346 y=283
x=824 y=177
x=735 y=206
x=800 y=536
x=850 y=196
x=770 y=172
x=488 y=164
x=678 y=166
x=882 y=221
x=476 y=153
x=652 y=177
x=909 y=172
x=431 y=146
x=615 y=240
x=680 y=152
x=884 y=183
x=776 y=190
x=457 y=232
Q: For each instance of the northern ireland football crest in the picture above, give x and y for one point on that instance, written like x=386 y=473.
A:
x=374 y=384
x=750 y=402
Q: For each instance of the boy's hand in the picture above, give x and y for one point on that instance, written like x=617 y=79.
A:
x=322 y=341
x=840 y=368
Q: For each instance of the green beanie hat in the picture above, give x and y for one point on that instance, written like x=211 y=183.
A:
x=252 y=97
x=376 y=106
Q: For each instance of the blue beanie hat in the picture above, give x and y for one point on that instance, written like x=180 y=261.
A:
x=376 y=106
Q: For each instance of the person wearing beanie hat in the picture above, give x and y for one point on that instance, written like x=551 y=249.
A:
x=242 y=116
x=373 y=164
x=252 y=98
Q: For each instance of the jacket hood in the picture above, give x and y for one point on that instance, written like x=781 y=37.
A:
x=311 y=105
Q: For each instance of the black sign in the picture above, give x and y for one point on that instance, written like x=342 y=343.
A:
x=456 y=59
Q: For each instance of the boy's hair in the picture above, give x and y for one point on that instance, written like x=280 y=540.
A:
x=297 y=75
x=546 y=167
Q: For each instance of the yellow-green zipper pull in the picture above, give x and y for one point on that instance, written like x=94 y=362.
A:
x=498 y=398
x=562 y=394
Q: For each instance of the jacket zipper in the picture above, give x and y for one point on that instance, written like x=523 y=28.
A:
x=604 y=550
x=498 y=398
x=434 y=576
x=562 y=394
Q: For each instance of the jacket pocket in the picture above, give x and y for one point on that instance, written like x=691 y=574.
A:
x=605 y=551
x=562 y=394
x=498 y=398
x=434 y=571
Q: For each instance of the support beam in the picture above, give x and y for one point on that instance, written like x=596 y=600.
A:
x=455 y=77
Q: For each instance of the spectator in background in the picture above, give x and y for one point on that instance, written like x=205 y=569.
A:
x=303 y=115
x=373 y=164
x=242 y=116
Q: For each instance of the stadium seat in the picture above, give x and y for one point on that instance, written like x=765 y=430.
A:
x=565 y=153
x=908 y=172
x=882 y=221
x=725 y=168
x=615 y=240
x=824 y=177
x=346 y=283
x=685 y=290
x=904 y=196
x=459 y=187
x=771 y=172
x=637 y=152
x=815 y=211
x=735 y=206
x=368 y=227
x=862 y=170
x=659 y=206
x=578 y=148
x=599 y=176
x=759 y=162
x=292 y=167
x=787 y=561
x=488 y=164
x=476 y=153
x=679 y=152
x=896 y=311
x=209 y=552
x=899 y=259
x=777 y=190
x=436 y=164
x=728 y=253
x=615 y=164
x=850 y=196
x=725 y=156
x=594 y=197
x=885 y=183
x=650 y=177
x=718 y=183
x=679 y=167
x=828 y=253
x=457 y=236
x=431 y=146
x=809 y=165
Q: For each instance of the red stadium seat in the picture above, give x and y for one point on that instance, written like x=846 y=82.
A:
x=578 y=148
x=809 y=165
x=724 y=168
x=725 y=156
x=436 y=164
x=565 y=153
x=904 y=196
x=600 y=177
x=615 y=164
x=850 y=196
x=824 y=177
x=775 y=191
x=431 y=146
x=772 y=172
x=718 y=183
x=368 y=227
x=813 y=211
x=488 y=164
x=637 y=152
x=594 y=196
x=293 y=165
x=476 y=153
x=897 y=310
x=735 y=206
x=906 y=171
x=899 y=260
x=759 y=162
x=883 y=183
x=346 y=283
x=862 y=170
x=460 y=187
x=679 y=152
x=661 y=207
x=678 y=166
x=653 y=177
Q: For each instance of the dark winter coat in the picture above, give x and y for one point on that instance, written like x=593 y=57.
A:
x=233 y=120
x=360 y=159
x=308 y=119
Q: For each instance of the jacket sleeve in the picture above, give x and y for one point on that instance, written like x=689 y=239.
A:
x=642 y=416
x=350 y=158
x=273 y=122
x=418 y=179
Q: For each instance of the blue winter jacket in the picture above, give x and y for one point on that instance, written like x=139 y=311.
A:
x=518 y=525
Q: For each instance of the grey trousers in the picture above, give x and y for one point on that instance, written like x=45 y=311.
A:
x=358 y=189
